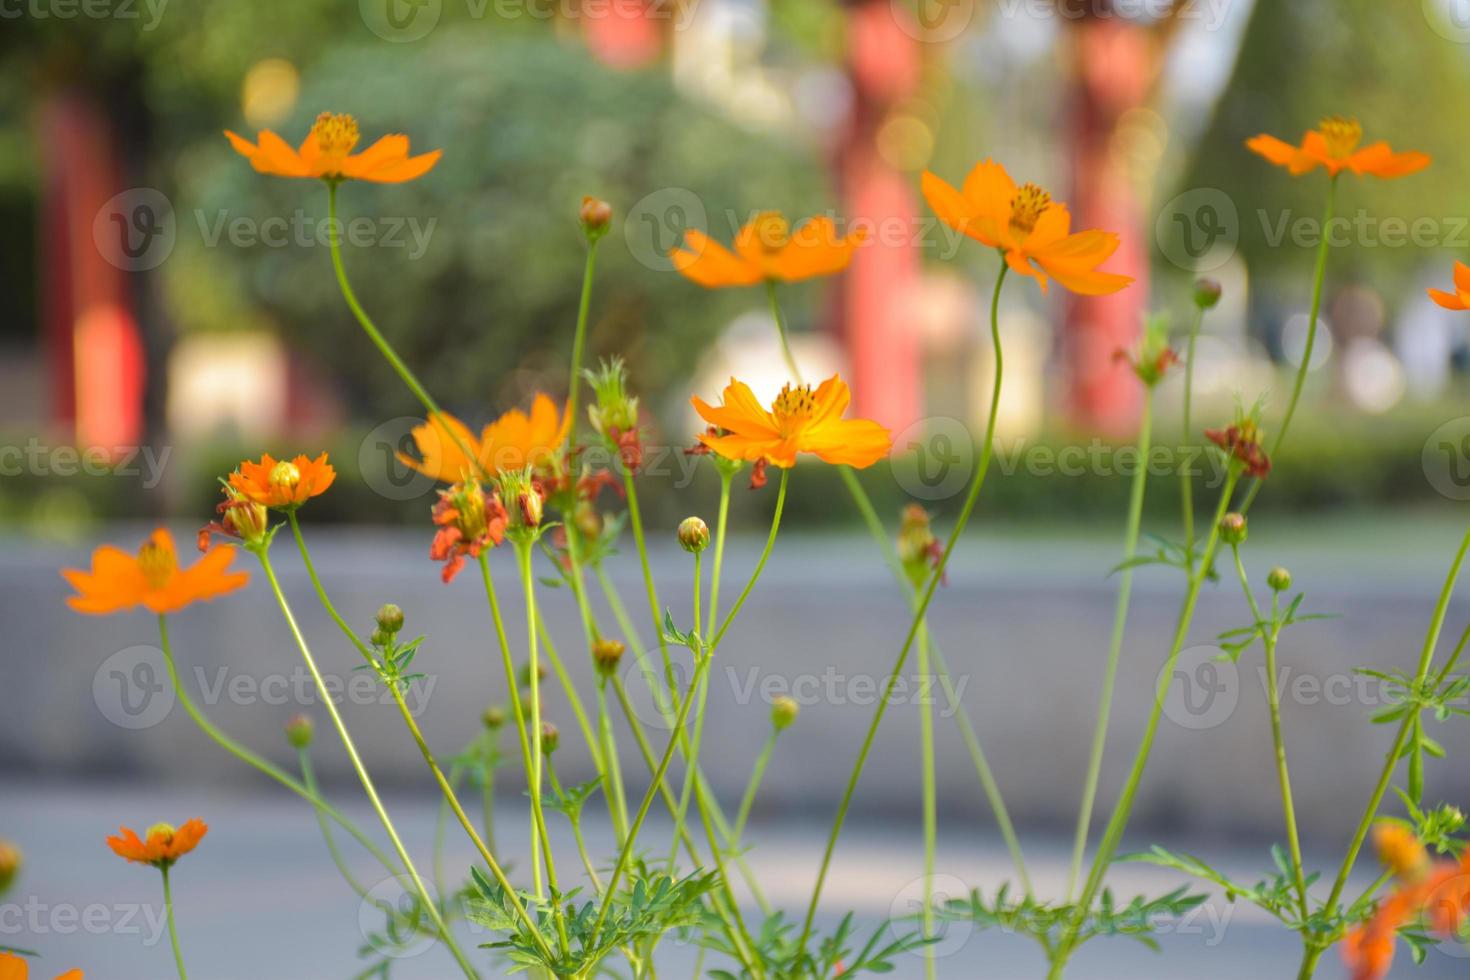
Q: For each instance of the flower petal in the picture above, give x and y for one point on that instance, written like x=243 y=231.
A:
x=704 y=261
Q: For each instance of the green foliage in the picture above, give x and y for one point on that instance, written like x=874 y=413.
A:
x=648 y=908
x=392 y=663
x=1048 y=922
x=1236 y=641
x=834 y=955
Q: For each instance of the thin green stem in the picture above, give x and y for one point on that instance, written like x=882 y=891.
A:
x=930 y=805
x=579 y=340
x=689 y=767
x=308 y=777
x=173 y=932
x=430 y=908
x=1186 y=481
x=962 y=717
x=617 y=793
x=759 y=565
x=1115 y=645
x=721 y=522
x=752 y=786
x=1390 y=762
x=781 y=331
x=1278 y=740
x=918 y=619
x=635 y=519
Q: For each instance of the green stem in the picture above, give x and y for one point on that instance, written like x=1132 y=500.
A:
x=781 y=330
x=579 y=340
x=693 y=759
x=308 y=776
x=430 y=908
x=635 y=518
x=1278 y=741
x=1112 y=835
x=617 y=794
x=752 y=786
x=1318 y=276
x=721 y=522
x=1115 y=645
x=1186 y=482
x=1390 y=763
x=962 y=717
x=173 y=932
x=759 y=565
x=918 y=619
x=930 y=805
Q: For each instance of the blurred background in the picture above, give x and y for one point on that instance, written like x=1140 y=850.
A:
x=166 y=311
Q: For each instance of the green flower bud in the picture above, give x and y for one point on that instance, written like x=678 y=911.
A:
x=783 y=712
x=1233 y=528
x=1279 y=579
x=550 y=738
x=693 y=535
x=390 y=618
x=606 y=654
x=493 y=717
x=10 y=862
x=1206 y=293
x=299 y=731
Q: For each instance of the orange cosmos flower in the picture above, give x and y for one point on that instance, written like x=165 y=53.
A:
x=512 y=442
x=1436 y=892
x=118 y=581
x=14 y=967
x=162 y=845
x=1460 y=298
x=327 y=153
x=1334 y=145
x=800 y=421
x=1033 y=231
x=766 y=250
x=282 y=483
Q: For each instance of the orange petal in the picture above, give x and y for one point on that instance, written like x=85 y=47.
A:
x=440 y=455
x=816 y=249
x=989 y=189
x=403 y=170
x=704 y=261
x=948 y=204
x=1450 y=301
x=848 y=442
x=1379 y=160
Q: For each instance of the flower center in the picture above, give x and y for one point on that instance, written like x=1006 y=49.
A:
x=336 y=133
x=771 y=231
x=1342 y=134
x=157 y=562
x=1027 y=206
x=793 y=406
x=285 y=476
x=164 y=830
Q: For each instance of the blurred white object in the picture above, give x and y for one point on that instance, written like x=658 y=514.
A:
x=1372 y=375
x=227 y=381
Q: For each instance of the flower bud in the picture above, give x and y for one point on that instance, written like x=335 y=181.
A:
x=299 y=730
x=1233 y=528
x=10 y=862
x=606 y=654
x=693 y=535
x=379 y=638
x=526 y=674
x=783 y=712
x=390 y=618
x=1279 y=579
x=550 y=737
x=596 y=215
x=285 y=475
x=493 y=717
x=1206 y=293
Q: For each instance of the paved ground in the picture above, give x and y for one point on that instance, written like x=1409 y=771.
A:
x=260 y=898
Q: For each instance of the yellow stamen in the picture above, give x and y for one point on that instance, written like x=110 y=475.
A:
x=1027 y=206
x=1342 y=134
x=157 y=562
x=336 y=133
x=285 y=476
x=164 y=830
x=771 y=231
x=793 y=407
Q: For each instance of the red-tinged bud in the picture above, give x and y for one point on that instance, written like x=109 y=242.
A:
x=550 y=738
x=1206 y=293
x=299 y=731
x=1233 y=528
x=606 y=655
x=693 y=535
x=596 y=216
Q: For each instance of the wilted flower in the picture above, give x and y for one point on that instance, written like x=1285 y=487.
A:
x=240 y=518
x=918 y=549
x=1242 y=441
x=470 y=520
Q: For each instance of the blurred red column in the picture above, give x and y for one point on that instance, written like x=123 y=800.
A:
x=626 y=34
x=1114 y=65
x=94 y=352
x=881 y=337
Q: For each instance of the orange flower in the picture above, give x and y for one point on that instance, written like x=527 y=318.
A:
x=1033 y=231
x=1460 y=298
x=1334 y=145
x=800 y=421
x=512 y=442
x=14 y=967
x=118 y=581
x=327 y=153
x=284 y=483
x=766 y=250
x=1439 y=893
x=162 y=846
x=469 y=521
